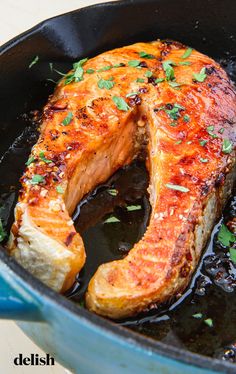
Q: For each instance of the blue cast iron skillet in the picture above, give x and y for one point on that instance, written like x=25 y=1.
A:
x=81 y=341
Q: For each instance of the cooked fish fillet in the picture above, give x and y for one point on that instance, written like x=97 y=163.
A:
x=173 y=103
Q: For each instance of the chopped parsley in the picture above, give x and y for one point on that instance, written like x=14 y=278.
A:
x=200 y=77
x=90 y=71
x=225 y=236
x=232 y=253
x=112 y=220
x=148 y=74
x=184 y=63
x=203 y=142
x=60 y=189
x=37 y=179
x=146 y=55
x=177 y=187
x=168 y=69
x=34 y=61
x=140 y=80
x=3 y=233
x=43 y=158
x=78 y=72
x=203 y=160
x=221 y=130
x=197 y=315
x=112 y=192
x=30 y=160
x=175 y=85
x=132 y=94
x=120 y=103
x=178 y=142
x=159 y=80
x=67 y=120
x=174 y=112
x=106 y=83
x=186 y=118
x=208 y=322
x=187 y=53
x=134 y=63
x=227 y=146
x=132 y=208
x=209 y=130
x=105 y=68
x=118 y=65
x=173 y=124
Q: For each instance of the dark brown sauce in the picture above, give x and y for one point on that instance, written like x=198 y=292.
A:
x=212 y=291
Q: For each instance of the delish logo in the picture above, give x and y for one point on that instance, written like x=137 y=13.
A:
x=34 y=360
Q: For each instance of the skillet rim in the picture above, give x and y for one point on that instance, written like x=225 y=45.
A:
x=123 y=334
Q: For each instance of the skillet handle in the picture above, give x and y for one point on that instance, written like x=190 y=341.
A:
x=15 y=302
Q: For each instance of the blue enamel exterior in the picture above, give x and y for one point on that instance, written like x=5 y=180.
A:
x=76 y=342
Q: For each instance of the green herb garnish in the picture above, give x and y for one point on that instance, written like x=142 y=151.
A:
x=200 y=77
x=187 y=53
x=43 y=158
x=132 y=94
x=175 y=85
x=112 y=220
x=174 y=112
x=178 y=142
x=78 y=72
x=120 y=103
x=208 y=322
x=197 y=315
x=105 y=68
x=168 y=69
x=186 y=118
x=90 y=71
x=176 y=187
x=30 y=160
x=232 y=253
x=34 y=61
x=184 y=63
x=203 y=142
x=159 y=80
x=60 y=189
x=148 y=74
x=112 y=192
x=227 y=146
x=146 y=55
x=37 y=179
x=132 y=208
x=225 y=236
x=67 y=120
x=134 y=63
x=203 y=160
x=221 y=130
x=140 y=80
x=106 y=83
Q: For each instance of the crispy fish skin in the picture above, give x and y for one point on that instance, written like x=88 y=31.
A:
x=99 y=139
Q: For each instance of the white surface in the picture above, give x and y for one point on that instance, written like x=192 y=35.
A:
x=17 y=16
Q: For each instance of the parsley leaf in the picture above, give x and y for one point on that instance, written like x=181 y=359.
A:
x=209 y=322
x=134 y=63
x=30 y=160
x=174 y=112
x=105 y=68
x=177 y=187
x=37 y=179
x=200 y=77
x=148 y=74
x=120 y=103
x=112 y=220
x=227 y=146
x=232 y=253
x=168 y=69
x=187 y=53
x=132 y=208
x=112 y=192
x=67 y=120
x=204 y=160
x=78 y=72
x=132 y=94
x=175 y=85
x=203 y=142
x=90 y=71
x=60 y=189
x=159 y=80
x=225 y=236
x=34 y=61
x=197 y=315
x=184 y=63
x=140 y=80
x=186 y=118
x=106 y=83
x=146 y=55
x=43 y=158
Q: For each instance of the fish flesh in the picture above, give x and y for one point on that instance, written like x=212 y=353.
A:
x=161 y=101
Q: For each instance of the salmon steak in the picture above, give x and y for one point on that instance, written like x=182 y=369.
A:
x=164 y=102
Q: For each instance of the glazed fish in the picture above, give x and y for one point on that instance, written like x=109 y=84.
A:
x=161 y=101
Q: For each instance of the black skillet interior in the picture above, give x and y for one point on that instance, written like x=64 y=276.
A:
x=207 y=25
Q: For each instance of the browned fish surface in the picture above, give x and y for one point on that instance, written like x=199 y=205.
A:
x=177 y=104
